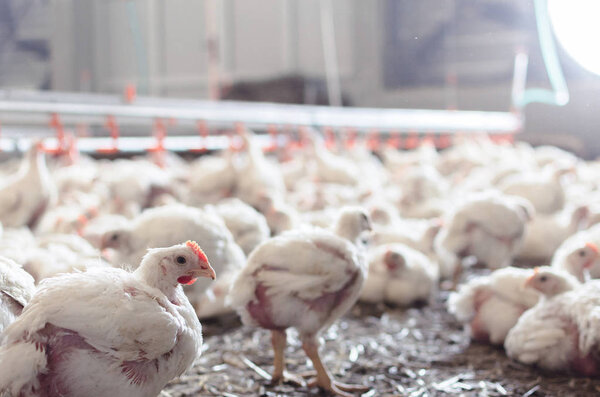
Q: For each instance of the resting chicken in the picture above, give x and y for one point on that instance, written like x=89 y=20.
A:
x=107 y=332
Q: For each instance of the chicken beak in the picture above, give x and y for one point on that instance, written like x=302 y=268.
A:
x=205 y=270
x=529 y=280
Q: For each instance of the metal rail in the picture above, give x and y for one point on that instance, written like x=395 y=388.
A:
x=32 y=113
x=22 y=108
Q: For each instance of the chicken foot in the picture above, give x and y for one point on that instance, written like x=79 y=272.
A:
x=323 y=379
x=280 y=375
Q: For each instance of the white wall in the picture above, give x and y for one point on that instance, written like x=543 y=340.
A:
x=278 y=37
x=93 y=49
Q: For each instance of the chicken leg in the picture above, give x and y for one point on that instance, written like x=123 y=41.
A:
x=280 y=375
x=457 y=274
x=324 y=379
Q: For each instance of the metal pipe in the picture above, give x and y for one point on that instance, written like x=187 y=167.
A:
x=31 y=108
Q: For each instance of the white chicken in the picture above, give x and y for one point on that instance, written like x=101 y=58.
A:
x=133 y=184
x=167 y=225
x=25 y=196
x=211 y=178
x=260 y=178
x=545 y=233
x=399 y=160
x=16 y=289
x=329 y=167
x=543 y=189
x=422 y=190
x=576 y=258
x=382 y=212
x=107 y=332
x=561 y=331
x=492 y=304
x=304 y=279
x=248 y=226
x=417 y=234
x=61 y=253
x=15 y=244
x=489 y=226
x=279 y=215
x=399 y=275
x=95 y=228
x=567 y=253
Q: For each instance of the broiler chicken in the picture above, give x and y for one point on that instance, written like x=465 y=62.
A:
x=417 y=234
x=16 y=289
x=492 y=304
x=305 y=279
x=422 y=191
x=260 y=178
x=279 y=215
x=248 y=227
x=576 y=259
x=212 y=178
x=107 y=332
x=399 y=275
x=543 y=189
x=545 y=233
x=489 y=226
x=567 y=252
x=329 y=167
x=167 y=225
x=61 y=253
x=15 y=244
x=561 y=331
x=25 y=196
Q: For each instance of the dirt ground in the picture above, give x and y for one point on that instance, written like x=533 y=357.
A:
x=412 y=352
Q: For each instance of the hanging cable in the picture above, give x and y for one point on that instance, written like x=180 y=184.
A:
x=559 y=95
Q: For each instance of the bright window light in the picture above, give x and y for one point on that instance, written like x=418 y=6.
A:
x=577 y=27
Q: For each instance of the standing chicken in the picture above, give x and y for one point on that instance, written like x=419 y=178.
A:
x=400 y=275
x=167 y=225
x=107 y=332
x=25 y=195
x=260 y=179
x=492 y=304
x=304 y=279
x=561 y=331
x=16 y=289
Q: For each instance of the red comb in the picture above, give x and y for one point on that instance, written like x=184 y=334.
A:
x=197 y=250
x=592 y=246
x=536 y=270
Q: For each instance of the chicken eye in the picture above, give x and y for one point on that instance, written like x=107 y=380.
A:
x=181 y=260
x=582 y=253
x=543 y=279
x=114 y=237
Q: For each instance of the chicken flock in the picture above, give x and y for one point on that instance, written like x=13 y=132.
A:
x=107 y=266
